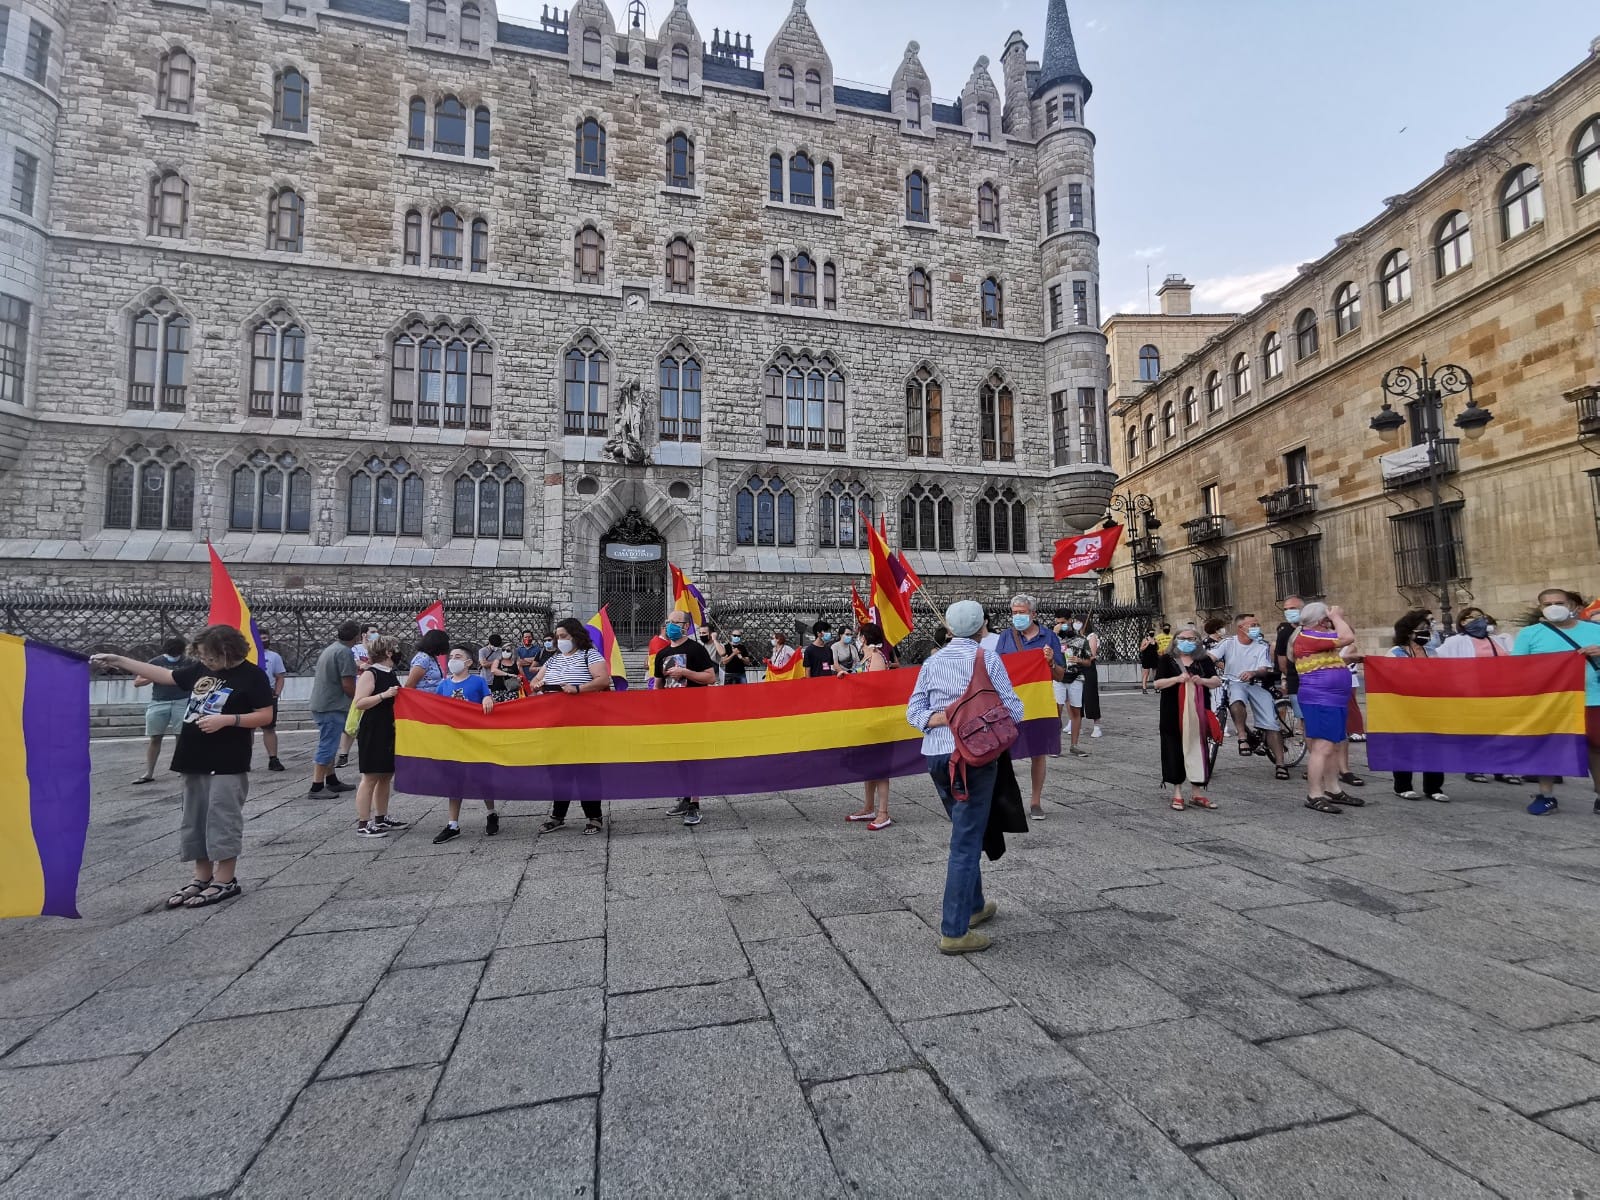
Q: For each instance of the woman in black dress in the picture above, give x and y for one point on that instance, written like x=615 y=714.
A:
x=375 y=693
x=1148 y=655
x=1183 y=677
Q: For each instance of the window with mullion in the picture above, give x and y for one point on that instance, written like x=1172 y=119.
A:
x=680 y=161
x=996 y=420
x=14 y=315
x=291 y=102
x=802 y=180
x=587 y=389
x=924 y=416
x=680 y=397
x=590 y=151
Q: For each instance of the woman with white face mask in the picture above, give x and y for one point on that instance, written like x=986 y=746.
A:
x=1559 y=630
x=575 y=668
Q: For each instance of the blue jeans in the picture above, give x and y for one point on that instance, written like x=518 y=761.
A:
x=330 y=728
x=963 y=880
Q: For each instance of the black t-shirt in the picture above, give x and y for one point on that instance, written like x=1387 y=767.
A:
x=737 y=662
x=1291 y=677
x=689 y=654
x=242 y=690
x=819 y=660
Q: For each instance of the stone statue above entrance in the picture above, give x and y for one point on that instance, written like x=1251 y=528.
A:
x=626 y=443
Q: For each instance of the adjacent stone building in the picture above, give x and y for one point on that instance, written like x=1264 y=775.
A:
x=1257 y=451
x=403 y=297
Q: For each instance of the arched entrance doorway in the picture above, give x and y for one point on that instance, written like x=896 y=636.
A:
x=633 y=579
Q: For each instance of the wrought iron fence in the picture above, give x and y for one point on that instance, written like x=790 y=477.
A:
x=136 y=621
x=1121 y=627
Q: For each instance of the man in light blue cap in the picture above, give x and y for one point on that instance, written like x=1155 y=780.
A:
x=941 y=682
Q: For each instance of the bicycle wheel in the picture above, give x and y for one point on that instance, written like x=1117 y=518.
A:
x=1294 y=740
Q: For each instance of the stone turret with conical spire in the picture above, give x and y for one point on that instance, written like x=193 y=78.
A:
x=1069 y=272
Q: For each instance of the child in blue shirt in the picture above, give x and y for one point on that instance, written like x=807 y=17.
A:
x=464 y=684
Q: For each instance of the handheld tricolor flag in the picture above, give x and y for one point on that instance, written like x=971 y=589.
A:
x=893 y=605
x=1086 y=552
x=44 y=806
x=228 y=606
x=687 y=597
x=605 y=641
x=1519 y=715
x=795 y=668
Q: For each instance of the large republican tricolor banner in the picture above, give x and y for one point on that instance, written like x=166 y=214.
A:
x=1086 y=552
x=715 y=741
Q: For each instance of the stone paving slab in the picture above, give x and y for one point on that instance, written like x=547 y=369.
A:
x=746 y=1117
x=1352 y=1159
x=1258 y=1001
x=547 y=1150
x=895 y=1135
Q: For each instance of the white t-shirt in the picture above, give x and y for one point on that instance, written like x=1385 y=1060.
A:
x=990 y=641
x=1236 y=659
x=272 y=664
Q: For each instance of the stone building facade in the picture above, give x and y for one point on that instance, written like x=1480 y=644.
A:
x=1257 y=451
x=408 y=298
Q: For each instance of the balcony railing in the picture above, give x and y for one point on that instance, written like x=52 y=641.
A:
x=1205 y=529
x=1588 y=401
x=1405 y=467
x=796 y=437
x=585 y=424
x=1145 y=549
x=1287 y=503
x=680 y=429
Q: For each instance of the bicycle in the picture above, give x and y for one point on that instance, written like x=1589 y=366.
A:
x=1294 y=742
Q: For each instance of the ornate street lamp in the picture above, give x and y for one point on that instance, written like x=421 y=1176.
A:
x=1423 y=392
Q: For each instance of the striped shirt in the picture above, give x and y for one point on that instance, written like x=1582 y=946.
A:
x=573 y=668
x=943 y=680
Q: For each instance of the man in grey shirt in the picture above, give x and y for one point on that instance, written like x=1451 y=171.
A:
x=333 y=684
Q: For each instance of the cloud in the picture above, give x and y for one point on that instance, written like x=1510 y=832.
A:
x=1093 y=23
x=1150 y=252
x=1240 y=293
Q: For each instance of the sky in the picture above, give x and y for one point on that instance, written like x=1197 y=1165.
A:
x=1236 y=139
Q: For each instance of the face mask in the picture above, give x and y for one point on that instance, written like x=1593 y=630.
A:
x=1020 y=621
x=848 y=639
x=372 y=637
x=1291 y=615
x=774 y=643
x=737 y=640
x=564 y=645
x=674 y=631
x=459 y=666
x=1478 y=627
x=827 y=637
x=1060 y=629
x=548 y=644
x=1166 y=629
x=1077 y=627
x=1188 y=647
x=1555 y=613
x=1420 y=636
x=1254 y=633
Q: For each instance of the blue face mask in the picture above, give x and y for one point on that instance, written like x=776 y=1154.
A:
x=1291 y=615
x=1188 y=647
x=1020 y=621
x=1255 y=633
x=737 y=640
x=1478 y=627
x=674 y=631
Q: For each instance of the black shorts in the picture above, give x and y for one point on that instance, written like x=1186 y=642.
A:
x=272 y=724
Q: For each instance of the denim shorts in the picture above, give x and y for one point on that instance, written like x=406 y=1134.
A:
x=330 y=726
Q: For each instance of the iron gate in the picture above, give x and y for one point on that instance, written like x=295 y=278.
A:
x=633 y=580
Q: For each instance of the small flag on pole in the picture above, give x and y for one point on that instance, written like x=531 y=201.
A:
x=1086 y=552
x=687 y=597
x=228 y=606
x=893 y=605
x=605 y=641
x=431 y=618
x=862 y=614
x=44 y=805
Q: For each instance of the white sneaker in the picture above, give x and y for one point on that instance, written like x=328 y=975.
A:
x=1095 y=732
x=1409 y=795
x=1439 y=796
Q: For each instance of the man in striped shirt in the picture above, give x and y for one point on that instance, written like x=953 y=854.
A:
x=944 y=678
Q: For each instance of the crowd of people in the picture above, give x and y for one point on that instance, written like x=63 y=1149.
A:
x=1310 y=663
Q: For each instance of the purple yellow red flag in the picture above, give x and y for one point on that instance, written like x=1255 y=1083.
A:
x=44 y=805
x=228 y=606
x=605 y=641
x=687 y=597
x=1512 y=715
x=715 y=741
x=893 y=605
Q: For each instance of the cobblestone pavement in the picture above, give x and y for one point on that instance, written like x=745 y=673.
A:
x=1262 y=1001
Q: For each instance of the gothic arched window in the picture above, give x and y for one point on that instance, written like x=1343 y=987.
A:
x=158 y=358
x=988 y=208
x=786 y=85
x=147 y=490
x=471 y=27
x=480 y=132
x=291 y=101
x=441 y=376
x=813 y=91
x=591 y=48
x=417 y=124
x=983 y=124
x=385 y=500
x=924 y=415
x=587 y=388
x=775 y=178
x=480 y=245
x=764 y=513
x=286 y=221
x=680 y=161
x=589 y=149
x=433 y=22
x=997 y=423
x=487 y=503
x=803 y=281
x=589 y=255
x=841 y=508
x=1001 y=523
x=270 y=494
x=680 y=396
x=913 y=108
x=827 y=185
x=449 y=126
x=444 y=240
x=680 y=267
x=680 y=65
x=805 y=405
x=412 y=253
x=918 y=202
x=802 y=179
x=927 y=519
x=277 y=367
x=993 y=304
x=920 y=295
x=175 y=82
x=169 y=205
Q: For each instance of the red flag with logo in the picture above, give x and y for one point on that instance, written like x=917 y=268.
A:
x=431 y=617
x=1086 y=552
x=862 y=615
